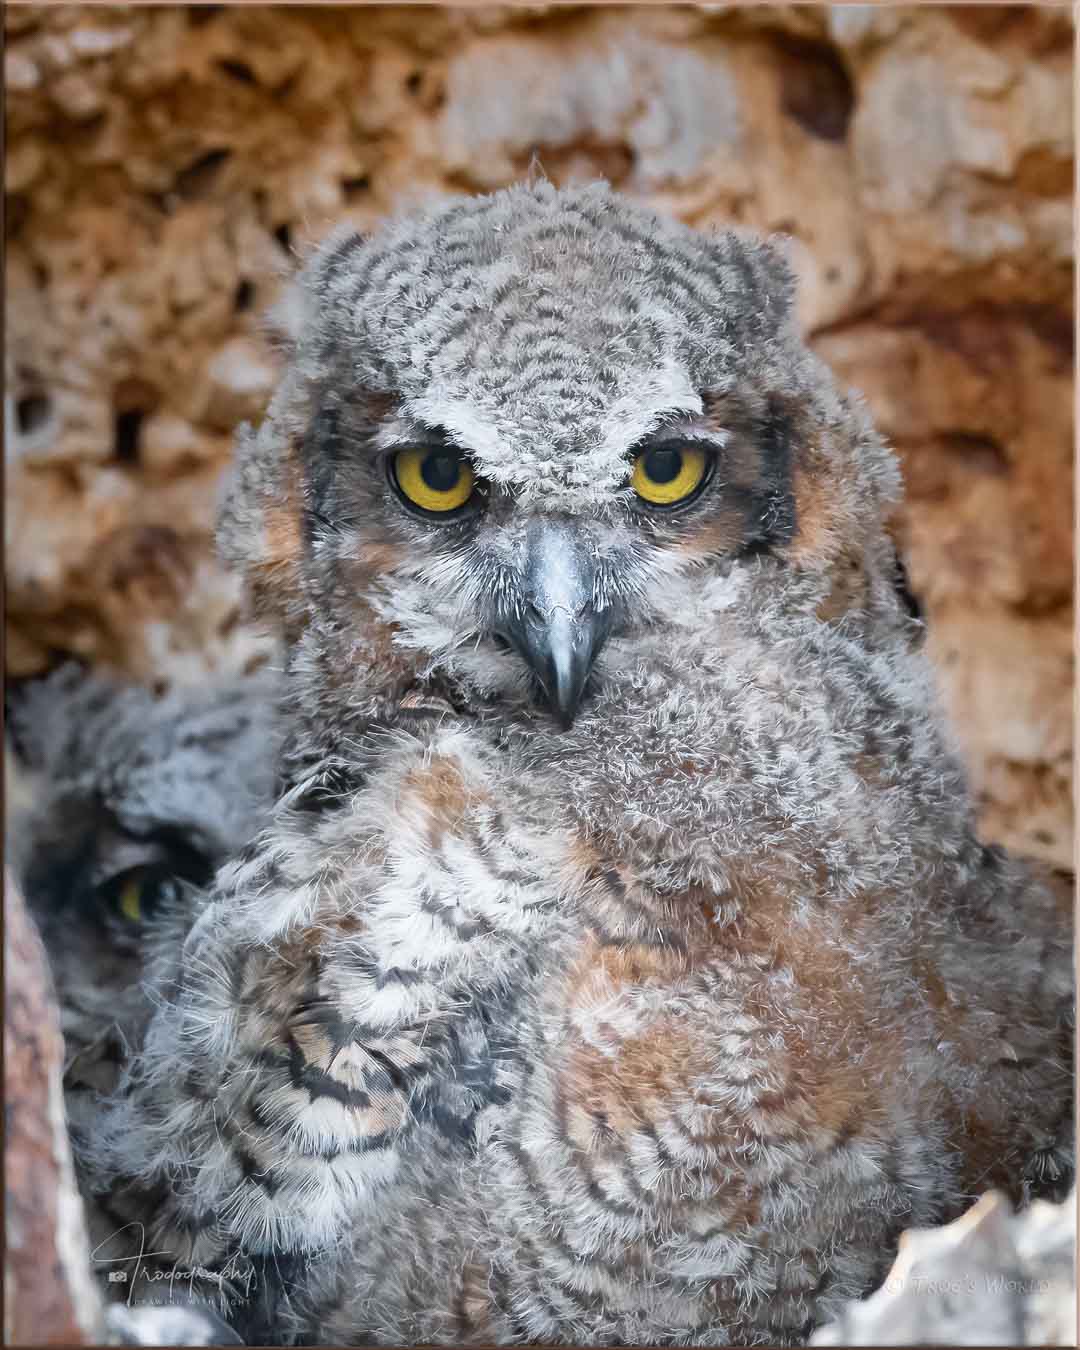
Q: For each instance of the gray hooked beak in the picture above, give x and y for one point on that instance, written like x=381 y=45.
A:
x=556 y=627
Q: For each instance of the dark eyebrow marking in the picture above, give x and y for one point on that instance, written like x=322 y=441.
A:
x=666 y=430
x=431 y=437
x=426 y=440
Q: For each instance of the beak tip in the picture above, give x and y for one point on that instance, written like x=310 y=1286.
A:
x=556 y=628
x=570 y=676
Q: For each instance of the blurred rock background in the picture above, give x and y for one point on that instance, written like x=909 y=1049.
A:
x=165 y=165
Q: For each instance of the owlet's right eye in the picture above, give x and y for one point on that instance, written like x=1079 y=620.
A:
x=436 y=482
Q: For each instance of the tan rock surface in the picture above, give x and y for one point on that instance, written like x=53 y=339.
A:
x=164 y=165
x=50 y=1296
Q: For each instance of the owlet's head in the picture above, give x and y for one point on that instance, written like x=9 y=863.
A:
x=127 y=802
x=520 y=434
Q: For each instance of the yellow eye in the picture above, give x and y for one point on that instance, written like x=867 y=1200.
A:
x=436 y=480
x=136 y=895
x=668 y=474
x=129 y=901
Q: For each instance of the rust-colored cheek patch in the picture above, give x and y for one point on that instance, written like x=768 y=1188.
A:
x=815 y=512
x=275 y=579
x=282 y=535
x=724 y=533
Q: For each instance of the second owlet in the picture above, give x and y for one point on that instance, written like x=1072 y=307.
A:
x=620 y=964
x=129 y=803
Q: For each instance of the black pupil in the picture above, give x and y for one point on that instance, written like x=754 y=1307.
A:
x=663 y=465
x=441 y=472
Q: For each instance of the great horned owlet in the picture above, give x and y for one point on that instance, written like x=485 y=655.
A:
x=621 y=963
x=127 y=803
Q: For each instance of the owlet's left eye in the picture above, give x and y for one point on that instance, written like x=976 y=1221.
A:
x=136 y=895
x=436 y=481
x=669 y=475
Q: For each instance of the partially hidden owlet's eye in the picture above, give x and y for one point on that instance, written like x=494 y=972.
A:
x=437 y=481
x=669 y=475
x=135 y=895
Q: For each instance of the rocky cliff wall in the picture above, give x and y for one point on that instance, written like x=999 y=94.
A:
x=164 y=165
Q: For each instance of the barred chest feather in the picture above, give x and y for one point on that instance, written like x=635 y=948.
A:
x=738 y=1060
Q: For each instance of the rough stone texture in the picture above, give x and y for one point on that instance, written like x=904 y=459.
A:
x=50 y=1298
x=165 y=164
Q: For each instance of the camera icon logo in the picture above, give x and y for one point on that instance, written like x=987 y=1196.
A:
x=118 y=1277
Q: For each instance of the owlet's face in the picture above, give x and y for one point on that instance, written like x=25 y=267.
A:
x=516 y=595
x=552 y=586
x=523 y=433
